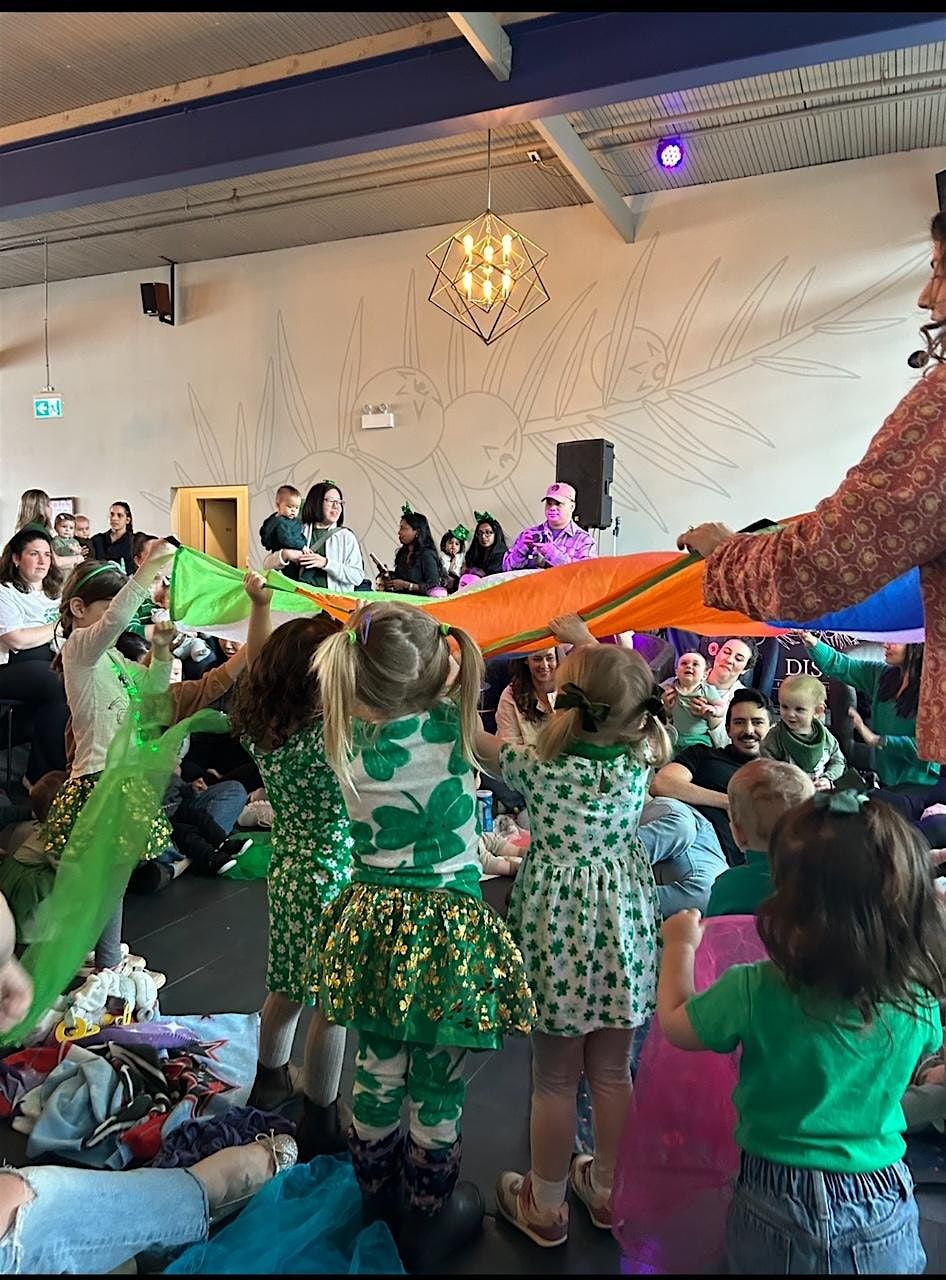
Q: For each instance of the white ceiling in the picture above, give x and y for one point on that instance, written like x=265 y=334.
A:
x=813 y=115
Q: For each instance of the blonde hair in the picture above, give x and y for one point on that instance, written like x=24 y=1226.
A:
x=761 y=791
x=34 y=508
x=805 y=687
x=393 y=660
x=621 y=680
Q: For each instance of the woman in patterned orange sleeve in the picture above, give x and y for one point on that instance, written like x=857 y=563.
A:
x=888 y=515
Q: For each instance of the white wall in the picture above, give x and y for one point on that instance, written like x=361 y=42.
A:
x=739 y=355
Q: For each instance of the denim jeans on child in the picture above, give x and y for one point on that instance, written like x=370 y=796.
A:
x=789 y=1221
x=82 y=1222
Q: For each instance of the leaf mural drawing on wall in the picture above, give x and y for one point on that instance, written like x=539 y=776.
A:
x=293 y=394
x=512 y=499
x=847 y=327
x=184 y=478
x=350 y=380
x=539 y=365
x=207 y=440
x=719 y=416
x=677 y=340
x=241 y=450
x=266 y=423
x=624 y=321
x=456 y=363
x=681 y=436
x=801 y=368
x=658 y=455
x=727 y=348
x=572 y=367
x=453 y=491
x=411 y=338
x=497 y=362
x=161 y=504
x=794 y=305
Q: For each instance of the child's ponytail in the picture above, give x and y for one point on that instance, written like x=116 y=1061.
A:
x=469 y=690
x=335 y=666
x=558 y=732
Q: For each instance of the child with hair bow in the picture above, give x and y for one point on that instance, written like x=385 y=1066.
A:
x=584 y=911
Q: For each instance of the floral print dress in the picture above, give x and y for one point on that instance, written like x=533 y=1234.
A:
x=410 y=952
x=584 y=906
x=311 y=856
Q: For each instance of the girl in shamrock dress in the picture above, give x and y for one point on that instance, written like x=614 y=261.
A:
x=584 y=911
x=277 y=712
x=102 y=687
x=410 y=954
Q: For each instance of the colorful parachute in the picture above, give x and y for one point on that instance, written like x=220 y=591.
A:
x=643 y=592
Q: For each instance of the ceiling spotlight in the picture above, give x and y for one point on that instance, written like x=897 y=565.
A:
x=670 y=153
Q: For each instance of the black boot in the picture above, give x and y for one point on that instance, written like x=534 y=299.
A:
x=272 y=1088
x=442 y=1215
x=377 y=1167
x=322 y=1131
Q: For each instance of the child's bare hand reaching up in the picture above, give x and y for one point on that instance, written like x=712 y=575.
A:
x=685 y=928
x=163 y=639
x=255 y=587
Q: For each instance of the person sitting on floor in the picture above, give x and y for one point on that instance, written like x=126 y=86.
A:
x=759 y=793
x=700 y=775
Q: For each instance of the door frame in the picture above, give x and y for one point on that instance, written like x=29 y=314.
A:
x=187 y=521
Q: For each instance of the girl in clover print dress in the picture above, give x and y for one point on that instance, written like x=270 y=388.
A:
x=276 y=711
x=410 y=954
x=584 y=911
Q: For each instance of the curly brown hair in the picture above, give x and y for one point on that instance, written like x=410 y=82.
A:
x=279 y=694
x=855 y=916
x=523 y=691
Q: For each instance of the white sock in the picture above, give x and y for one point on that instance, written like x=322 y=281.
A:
x=548 y=1196
x=324 y=1055
x=277 y=1029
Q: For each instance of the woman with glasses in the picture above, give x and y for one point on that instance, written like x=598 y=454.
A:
x=331 y=557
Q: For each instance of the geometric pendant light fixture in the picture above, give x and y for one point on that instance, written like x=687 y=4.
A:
x=487 y=274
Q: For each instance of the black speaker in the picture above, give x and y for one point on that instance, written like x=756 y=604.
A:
x=941 y=190
x=588 y=465
x=149 y=302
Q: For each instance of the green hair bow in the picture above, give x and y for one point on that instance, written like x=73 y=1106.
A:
x=592 y=713
x=461 y=533
x=407 y=509
x=483 y=515
x=846 y=802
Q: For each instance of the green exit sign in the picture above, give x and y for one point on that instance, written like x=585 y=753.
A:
x=47 y=406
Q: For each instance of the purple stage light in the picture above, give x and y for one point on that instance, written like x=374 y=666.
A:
x=670 y=153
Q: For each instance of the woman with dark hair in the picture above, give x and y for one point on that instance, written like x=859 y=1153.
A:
x=30 y=587
x=417 y=568
x=117 y=543
x=887 y=516
x=328 y=554
x=524 y=705
x=485 y=556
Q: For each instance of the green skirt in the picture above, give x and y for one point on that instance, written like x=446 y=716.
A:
x=69 y=800
x=421 y=966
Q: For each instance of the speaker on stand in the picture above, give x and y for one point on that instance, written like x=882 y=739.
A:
x=588 y=465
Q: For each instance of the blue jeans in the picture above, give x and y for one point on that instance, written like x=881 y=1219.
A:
x=223 y=802
x=81 y=1221
x=683 y=851
x=789 y=1221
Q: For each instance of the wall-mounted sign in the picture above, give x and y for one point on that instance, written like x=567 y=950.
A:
x=47 y=406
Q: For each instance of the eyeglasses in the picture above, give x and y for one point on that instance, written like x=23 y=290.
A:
x=333 y=502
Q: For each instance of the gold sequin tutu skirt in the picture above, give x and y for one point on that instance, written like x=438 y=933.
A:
x=73 y=794
x=431 y=967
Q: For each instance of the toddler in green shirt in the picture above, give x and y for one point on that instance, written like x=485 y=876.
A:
x=831 y=1028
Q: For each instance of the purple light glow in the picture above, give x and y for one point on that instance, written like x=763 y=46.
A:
x=670 y=153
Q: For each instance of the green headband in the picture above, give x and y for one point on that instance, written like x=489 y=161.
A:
x=108 y=566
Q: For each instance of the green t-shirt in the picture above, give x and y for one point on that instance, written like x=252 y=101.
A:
x=738 y=891
x=814 y=1092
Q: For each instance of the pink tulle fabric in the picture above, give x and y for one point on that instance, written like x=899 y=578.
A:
x=673 y=1181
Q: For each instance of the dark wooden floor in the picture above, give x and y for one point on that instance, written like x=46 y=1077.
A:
x=209 y=937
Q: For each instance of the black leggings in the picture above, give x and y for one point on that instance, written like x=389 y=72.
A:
x=42 y=721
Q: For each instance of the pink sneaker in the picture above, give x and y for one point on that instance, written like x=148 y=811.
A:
x=598 y=1205
x=514 y=1201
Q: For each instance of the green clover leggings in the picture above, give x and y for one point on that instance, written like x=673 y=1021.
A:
x=429 y=1076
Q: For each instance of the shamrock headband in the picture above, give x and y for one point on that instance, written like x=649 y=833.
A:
x=844 y=803
x=481 y=516
x=571 y=697
x=461 y=533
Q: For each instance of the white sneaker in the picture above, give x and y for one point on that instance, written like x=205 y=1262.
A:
x=258 y=813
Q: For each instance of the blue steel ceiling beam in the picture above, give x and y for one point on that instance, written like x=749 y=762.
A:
x=566 y=63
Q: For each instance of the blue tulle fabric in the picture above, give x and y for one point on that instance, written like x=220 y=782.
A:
x=305 y=1222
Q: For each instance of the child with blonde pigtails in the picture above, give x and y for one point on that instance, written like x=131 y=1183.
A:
x=585 y=912
x=409 y=953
